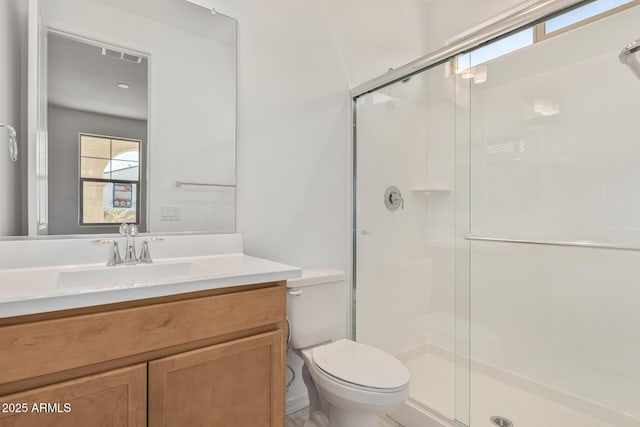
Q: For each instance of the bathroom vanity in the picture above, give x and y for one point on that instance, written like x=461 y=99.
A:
x=195 y=338
x=200 y=350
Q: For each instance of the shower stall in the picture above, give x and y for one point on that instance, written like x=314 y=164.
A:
x=497 y=221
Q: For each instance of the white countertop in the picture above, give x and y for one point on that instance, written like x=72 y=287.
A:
x=33 y=290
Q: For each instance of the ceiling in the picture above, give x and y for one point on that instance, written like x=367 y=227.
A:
x=81 y=78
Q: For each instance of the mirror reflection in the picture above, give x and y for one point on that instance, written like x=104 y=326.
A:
x=128 y=115
x=97 y=132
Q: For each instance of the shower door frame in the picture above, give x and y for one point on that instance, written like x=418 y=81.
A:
x=526 y=14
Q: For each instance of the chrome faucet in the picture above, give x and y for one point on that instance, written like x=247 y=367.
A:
x=130 y=231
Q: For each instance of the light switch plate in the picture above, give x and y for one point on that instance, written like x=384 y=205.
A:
x=170 y=213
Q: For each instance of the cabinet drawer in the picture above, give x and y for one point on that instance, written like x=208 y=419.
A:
x=115 y=398
x=39 y=348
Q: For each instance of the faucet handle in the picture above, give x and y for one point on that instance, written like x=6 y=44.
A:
x=145 y=255
x=114 y=256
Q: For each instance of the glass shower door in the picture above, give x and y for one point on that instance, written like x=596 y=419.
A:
x=405 y=230
x=555 y=233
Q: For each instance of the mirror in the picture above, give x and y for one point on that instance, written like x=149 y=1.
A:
x=97 y=119
x=131 y=118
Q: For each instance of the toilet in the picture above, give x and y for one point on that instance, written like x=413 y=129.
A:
x=349 y=384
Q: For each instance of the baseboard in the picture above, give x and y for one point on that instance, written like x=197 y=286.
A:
x=296 y=403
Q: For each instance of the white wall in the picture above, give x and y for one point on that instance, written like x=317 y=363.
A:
x=12 y=38
x=192 y=98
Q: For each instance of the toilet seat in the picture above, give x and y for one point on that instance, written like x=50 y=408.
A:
x=361 y=366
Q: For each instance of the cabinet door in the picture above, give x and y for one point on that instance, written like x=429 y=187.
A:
x=115 y=398
x=235 y=384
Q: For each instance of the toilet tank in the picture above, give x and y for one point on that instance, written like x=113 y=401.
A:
x=316 y=307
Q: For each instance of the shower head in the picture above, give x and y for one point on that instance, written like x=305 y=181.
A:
x=629 y=55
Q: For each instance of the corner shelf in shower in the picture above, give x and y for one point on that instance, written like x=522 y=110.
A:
x=430 y=190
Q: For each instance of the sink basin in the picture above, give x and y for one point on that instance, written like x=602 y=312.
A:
x=124 y=276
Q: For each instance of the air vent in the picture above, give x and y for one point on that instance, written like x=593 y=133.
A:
x=131 y=58
x=112 y=53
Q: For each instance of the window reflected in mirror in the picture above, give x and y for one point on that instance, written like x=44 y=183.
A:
x=109 y=180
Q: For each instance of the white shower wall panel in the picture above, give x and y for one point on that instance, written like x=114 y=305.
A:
x=553 y=146
x=563 y=317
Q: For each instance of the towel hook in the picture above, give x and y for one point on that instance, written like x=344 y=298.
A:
x=13 y=141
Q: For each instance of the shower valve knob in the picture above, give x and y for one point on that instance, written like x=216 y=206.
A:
x=393 y=199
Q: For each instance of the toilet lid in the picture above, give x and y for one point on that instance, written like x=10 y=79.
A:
x=361 y=364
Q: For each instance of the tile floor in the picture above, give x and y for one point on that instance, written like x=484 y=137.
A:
x=298 y=418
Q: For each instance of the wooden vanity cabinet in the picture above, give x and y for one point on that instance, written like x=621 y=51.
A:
x=211 y=359
x=235 y=384
x=114 y=398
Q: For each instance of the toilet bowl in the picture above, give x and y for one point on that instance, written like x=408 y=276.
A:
x=358 y=382
x=349 y=384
